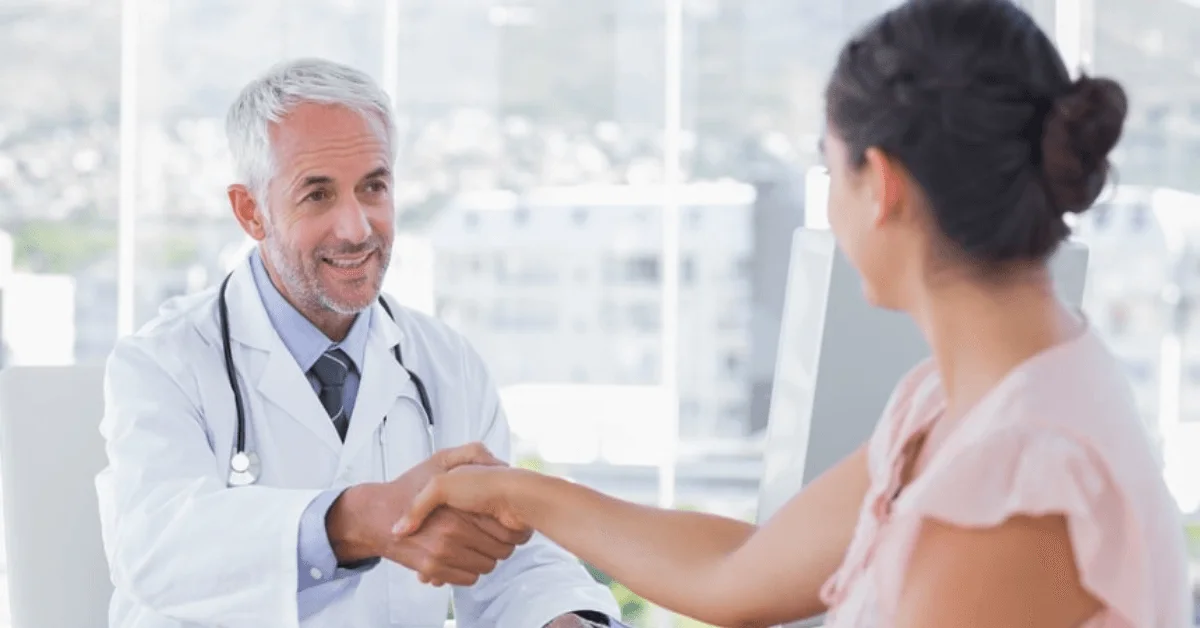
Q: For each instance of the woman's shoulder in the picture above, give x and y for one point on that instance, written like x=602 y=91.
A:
x=1063 y=436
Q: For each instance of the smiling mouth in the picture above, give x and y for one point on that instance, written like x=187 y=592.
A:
x=349 y=263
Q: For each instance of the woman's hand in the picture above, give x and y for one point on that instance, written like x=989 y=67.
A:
x=482 y=490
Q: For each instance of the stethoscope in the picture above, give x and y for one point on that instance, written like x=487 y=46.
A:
x=244 y=465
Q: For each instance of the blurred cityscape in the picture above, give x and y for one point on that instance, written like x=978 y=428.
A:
x=530 y=189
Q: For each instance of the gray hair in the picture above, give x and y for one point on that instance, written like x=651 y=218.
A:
x=271 y=96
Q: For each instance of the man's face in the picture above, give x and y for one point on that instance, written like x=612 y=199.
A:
x=328 y=220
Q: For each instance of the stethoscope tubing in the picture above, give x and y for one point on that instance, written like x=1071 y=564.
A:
x=241 y=453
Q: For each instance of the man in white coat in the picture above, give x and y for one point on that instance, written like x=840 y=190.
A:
x=348 y=404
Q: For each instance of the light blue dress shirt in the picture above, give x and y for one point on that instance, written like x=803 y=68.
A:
x=315 y=558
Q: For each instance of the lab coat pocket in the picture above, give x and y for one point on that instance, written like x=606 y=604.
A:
x=413 y=604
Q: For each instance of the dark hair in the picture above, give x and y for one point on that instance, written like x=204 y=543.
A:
x=975 y=102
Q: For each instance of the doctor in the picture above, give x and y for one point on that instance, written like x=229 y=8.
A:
x=264 y=435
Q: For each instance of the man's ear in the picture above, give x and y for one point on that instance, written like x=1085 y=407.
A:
x=247 y=211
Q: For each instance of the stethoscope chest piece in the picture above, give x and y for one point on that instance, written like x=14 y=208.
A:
x=243 y=468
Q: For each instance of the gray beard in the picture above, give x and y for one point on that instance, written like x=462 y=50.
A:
x=307 y=291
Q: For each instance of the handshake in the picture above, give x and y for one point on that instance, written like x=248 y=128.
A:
x=450 y=546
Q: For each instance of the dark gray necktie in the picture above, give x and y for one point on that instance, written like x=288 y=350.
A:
x=331 y=370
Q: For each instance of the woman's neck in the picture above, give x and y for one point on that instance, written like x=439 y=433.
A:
x=979 y=333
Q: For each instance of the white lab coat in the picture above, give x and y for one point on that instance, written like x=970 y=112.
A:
x=184 y=550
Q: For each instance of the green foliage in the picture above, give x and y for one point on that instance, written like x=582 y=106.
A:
x=532 y=463
x=178 y=252
x=634 y=610
x=67 y=247
x=62 y=247
x=1193 y=539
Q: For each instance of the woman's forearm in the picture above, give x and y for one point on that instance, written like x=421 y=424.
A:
x=673 y=558
x=718 y=570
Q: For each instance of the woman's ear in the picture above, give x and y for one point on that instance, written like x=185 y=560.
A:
x=889 y=185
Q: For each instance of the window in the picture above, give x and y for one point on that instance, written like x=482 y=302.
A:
x=510 y=315
x=732 y=364
x=645 y=316
x=515 y=267
x=637 y=269
x=642 y=269
x=687 y=270
x=501 y=103
x=59 y=183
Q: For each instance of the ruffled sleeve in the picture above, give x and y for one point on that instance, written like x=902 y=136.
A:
x=1024 y=470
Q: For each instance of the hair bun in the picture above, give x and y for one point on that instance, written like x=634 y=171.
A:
x=1082 y=126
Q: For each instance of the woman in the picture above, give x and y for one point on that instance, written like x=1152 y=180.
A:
x=1009 y=482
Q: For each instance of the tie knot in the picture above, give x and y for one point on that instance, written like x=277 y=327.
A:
x=332 y=368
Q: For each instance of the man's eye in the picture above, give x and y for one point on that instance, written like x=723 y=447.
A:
x=317 y=196
x=376 y=187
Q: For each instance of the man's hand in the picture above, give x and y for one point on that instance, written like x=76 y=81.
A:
x=452 y=547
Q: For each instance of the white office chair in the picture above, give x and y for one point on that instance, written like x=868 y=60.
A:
x=50 y=453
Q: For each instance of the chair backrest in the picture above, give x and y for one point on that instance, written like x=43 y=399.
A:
x=50 y=453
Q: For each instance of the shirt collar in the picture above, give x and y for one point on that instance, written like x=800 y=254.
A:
x=303 y=340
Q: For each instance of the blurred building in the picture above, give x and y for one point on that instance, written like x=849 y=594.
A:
x=563 y=285
x=1130 y=267
x=1152 y=48
x=1143 y=284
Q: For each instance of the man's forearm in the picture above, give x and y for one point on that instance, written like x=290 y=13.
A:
x=316 y=561
x=350 y=540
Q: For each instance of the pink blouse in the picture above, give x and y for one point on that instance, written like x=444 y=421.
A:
x=1060 y=434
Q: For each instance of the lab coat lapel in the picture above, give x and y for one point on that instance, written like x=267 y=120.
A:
x=280 y=381
x=383 y=382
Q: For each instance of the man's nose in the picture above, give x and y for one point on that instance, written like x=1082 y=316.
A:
x=350 y=221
